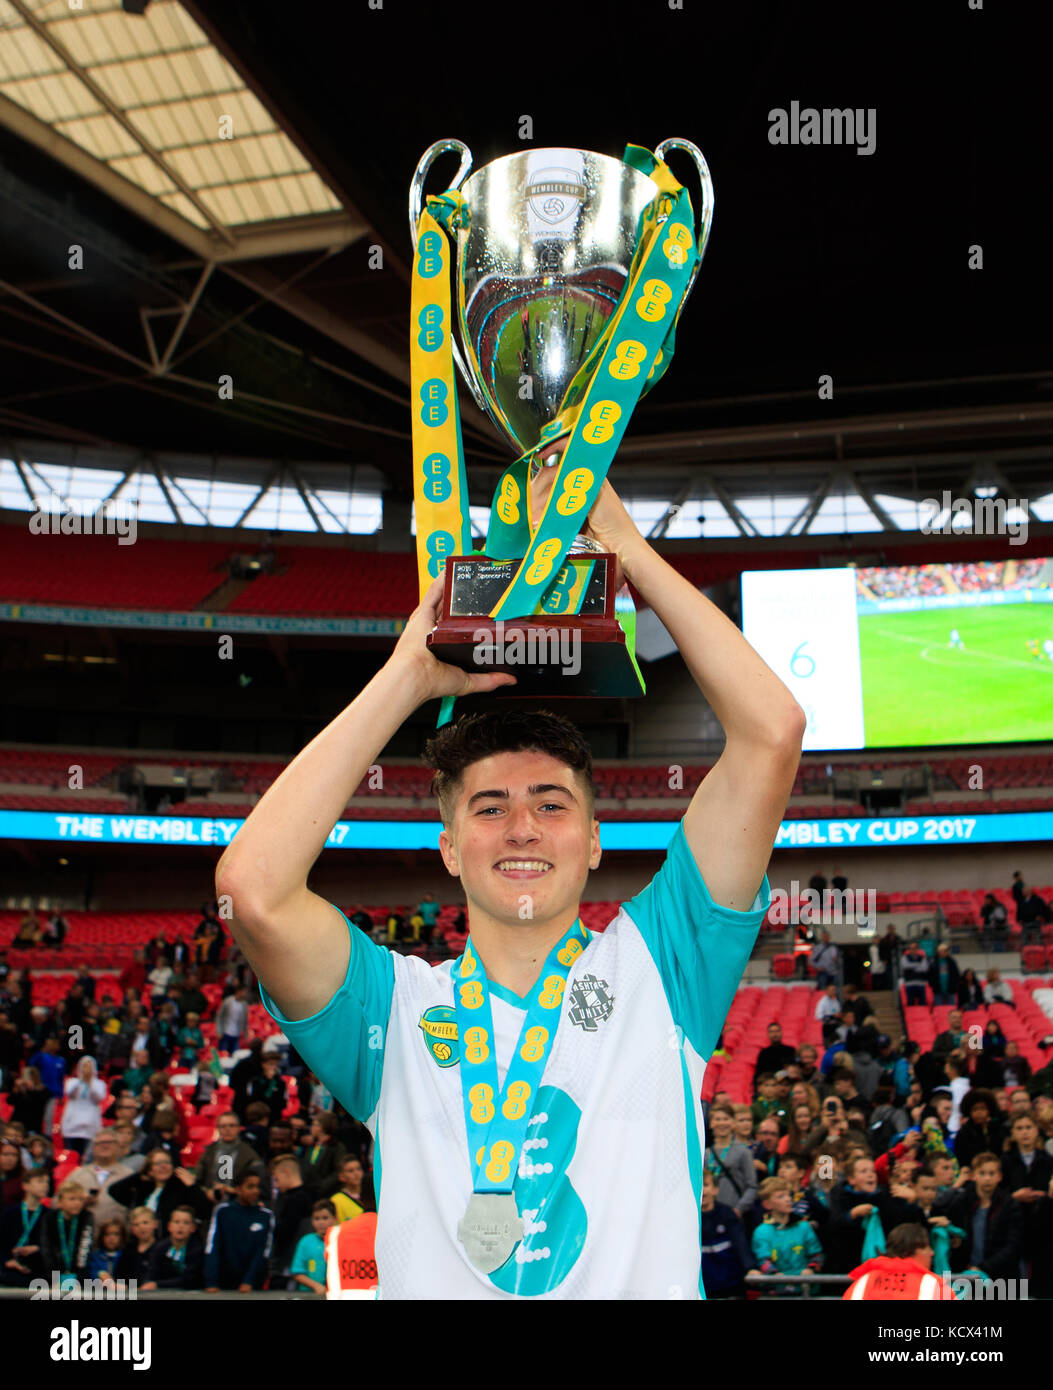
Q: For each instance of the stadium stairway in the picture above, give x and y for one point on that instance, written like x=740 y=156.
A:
x=217 y=600
x=886 y=1011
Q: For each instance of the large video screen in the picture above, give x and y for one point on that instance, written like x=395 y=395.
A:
x=911 y=654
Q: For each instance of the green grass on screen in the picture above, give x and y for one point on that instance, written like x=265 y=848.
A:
x=916 y=689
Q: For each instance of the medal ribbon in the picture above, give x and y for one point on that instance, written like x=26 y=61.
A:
x=67 y=1244
x=27 y=1224
x=497 y=1118
x=440 y=489
x=440 y=485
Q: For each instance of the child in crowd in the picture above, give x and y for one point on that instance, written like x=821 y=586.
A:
x=743 y=1124
x=806 y=1206
x=41 y=1154
x=350 y=1200
x=178 y=1261
x=191 y=1040
x=782 y=1243
x=168 y=1028
x=239 y=1240
x=135 y=1258
x=109 y=1245
x=308 y=1264
x=22 y=1232
x=257 y=1131
x=827 y=1170
x=725 y=1250
x=67 y=1234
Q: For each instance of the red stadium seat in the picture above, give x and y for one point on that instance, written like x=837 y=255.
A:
x=1034 y=958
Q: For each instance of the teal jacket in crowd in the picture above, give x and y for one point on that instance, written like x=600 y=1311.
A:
x=786 y=1249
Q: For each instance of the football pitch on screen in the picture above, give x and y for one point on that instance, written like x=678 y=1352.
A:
x=919 y=689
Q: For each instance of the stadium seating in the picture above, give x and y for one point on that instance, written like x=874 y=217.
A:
x=37 y=780
x=1025 y=1024
x=96 y=572
x=746 y=1032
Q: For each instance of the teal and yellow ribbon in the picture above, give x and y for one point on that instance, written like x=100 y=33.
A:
x=631 y=355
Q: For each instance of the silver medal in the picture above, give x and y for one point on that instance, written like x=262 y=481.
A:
x=490 y=1229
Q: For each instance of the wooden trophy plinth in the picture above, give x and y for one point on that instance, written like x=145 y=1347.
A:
x=551 y=655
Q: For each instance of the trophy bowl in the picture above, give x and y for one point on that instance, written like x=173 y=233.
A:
x=540 y=268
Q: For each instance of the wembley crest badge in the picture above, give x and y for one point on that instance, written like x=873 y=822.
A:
x=439 y=1026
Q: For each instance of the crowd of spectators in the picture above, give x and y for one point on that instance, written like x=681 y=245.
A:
x=902 y=581
x=919 y=581
x=96 y=1175
x=846 y=1150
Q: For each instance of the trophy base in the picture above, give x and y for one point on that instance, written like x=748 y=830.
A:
x=580 y=655
x=565 y=661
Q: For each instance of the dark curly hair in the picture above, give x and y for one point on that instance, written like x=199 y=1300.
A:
x=477 y=736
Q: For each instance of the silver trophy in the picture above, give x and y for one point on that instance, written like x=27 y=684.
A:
x=540 y=269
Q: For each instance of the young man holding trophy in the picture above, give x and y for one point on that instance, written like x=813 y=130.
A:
x=518 y=1093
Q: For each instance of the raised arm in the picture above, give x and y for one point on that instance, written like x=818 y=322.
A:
x=294 y=940
x=734 y=815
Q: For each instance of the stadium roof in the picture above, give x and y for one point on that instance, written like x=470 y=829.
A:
x=250 y=256
x=150 y=111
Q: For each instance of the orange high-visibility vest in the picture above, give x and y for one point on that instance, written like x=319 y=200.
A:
x=887 y=1278
x=350 y=1258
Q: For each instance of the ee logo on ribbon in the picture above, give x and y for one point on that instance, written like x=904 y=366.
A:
x=654 y=296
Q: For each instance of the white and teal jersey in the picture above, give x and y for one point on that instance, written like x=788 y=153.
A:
x=609 y=1183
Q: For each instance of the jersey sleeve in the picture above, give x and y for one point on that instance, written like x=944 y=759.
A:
x=344 y=1043
x=699 y=947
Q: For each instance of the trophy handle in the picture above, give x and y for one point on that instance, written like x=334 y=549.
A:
x=705 y=216
x=416 y=198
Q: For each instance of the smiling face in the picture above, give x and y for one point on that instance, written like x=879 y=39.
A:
x=160 y=1167
x=522 y=828
x=720 y=1124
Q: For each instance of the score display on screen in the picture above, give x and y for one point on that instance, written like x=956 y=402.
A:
x=910 y=655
